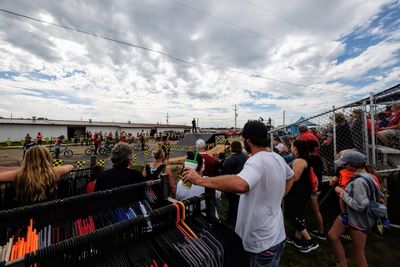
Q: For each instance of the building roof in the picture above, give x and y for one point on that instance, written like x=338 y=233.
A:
x=87 y=123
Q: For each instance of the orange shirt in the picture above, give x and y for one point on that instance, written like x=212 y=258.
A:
x=345 y=177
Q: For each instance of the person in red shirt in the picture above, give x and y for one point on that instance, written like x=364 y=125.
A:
x=210 y=163
x=96 y=142
x=39 y=138
x=305 y=134
x=389 y=134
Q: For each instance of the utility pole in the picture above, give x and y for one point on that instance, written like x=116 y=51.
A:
x=235 y=116
x=167 y=118
x=284 y=112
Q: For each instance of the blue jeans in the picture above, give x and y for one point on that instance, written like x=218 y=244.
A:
x=267 y=258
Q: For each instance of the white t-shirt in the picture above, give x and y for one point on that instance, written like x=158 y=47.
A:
x=183 y=192
x=260 y=220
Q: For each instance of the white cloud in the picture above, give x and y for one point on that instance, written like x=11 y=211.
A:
x=104 y=80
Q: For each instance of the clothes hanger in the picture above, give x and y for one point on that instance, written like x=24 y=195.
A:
x=182 y=222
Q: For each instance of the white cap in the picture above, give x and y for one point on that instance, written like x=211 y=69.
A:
x=200 y=143
x=280 y=147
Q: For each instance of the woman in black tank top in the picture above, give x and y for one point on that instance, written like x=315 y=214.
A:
x=298 y=197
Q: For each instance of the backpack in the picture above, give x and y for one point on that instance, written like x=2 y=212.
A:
x=155 y=174
x=313 y=180
x=376 y=210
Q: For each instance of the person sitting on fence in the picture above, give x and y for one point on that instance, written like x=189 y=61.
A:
x=157 y=168
x=298 y=197
x=357 y=199
x=356 y=127
x=390 y=134
x=120 y=174
x=36 y=180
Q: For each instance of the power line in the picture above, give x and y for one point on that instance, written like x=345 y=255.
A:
x=211 y=67
x=222 y=20
x=285 y=19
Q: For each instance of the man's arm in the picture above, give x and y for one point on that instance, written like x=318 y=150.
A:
x=227 y=183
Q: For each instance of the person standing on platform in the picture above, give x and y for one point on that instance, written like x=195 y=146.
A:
x=194 y=129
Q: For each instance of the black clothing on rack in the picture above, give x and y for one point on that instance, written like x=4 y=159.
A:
x=117 y=177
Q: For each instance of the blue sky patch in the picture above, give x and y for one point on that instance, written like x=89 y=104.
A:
x=37 y=75
x=358 y=41
x=8 y=75
x=73 y=73
x=264 y=107
x=259 y=94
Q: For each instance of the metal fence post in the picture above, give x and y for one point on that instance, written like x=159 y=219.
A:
x=272 y=140
x=364 y=108
x=372 y=113
x=334 y=133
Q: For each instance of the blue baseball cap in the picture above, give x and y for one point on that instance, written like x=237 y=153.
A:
x=353 y=158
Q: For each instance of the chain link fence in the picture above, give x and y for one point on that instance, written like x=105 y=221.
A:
x=370 y=125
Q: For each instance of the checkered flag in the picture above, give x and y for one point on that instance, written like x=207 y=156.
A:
x=100 y=162
x=80 y=164
x=57 y=162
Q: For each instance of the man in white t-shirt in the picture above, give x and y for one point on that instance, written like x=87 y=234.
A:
x=263 y=182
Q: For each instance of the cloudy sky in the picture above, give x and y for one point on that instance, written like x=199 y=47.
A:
x=301 y=56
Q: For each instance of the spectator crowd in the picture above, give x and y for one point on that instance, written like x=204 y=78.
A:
x=254 y=178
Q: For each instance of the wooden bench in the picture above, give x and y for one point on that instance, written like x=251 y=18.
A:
x=385 y=151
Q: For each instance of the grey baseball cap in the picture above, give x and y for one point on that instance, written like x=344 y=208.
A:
x=354 y=158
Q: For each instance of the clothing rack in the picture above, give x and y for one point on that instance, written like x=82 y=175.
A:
x=78 y=206
x=79 y=249
x=73 y=183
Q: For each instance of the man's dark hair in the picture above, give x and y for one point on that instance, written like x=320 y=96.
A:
x=257 y=133
x=303 y=128
x=302 y=148
x=236 y=147
x=259 y=142
x=121 y=156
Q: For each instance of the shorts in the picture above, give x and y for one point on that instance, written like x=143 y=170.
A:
x=391 y=133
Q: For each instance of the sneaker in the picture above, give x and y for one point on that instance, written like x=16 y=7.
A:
x=298 y=243
x=308 y=245
x=386 y=222
x=318 y=234
x=346 y=237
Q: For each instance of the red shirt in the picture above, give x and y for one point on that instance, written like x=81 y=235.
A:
x=90 y=187
x=395 y=119
x=210 y=165
x=308 y=136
